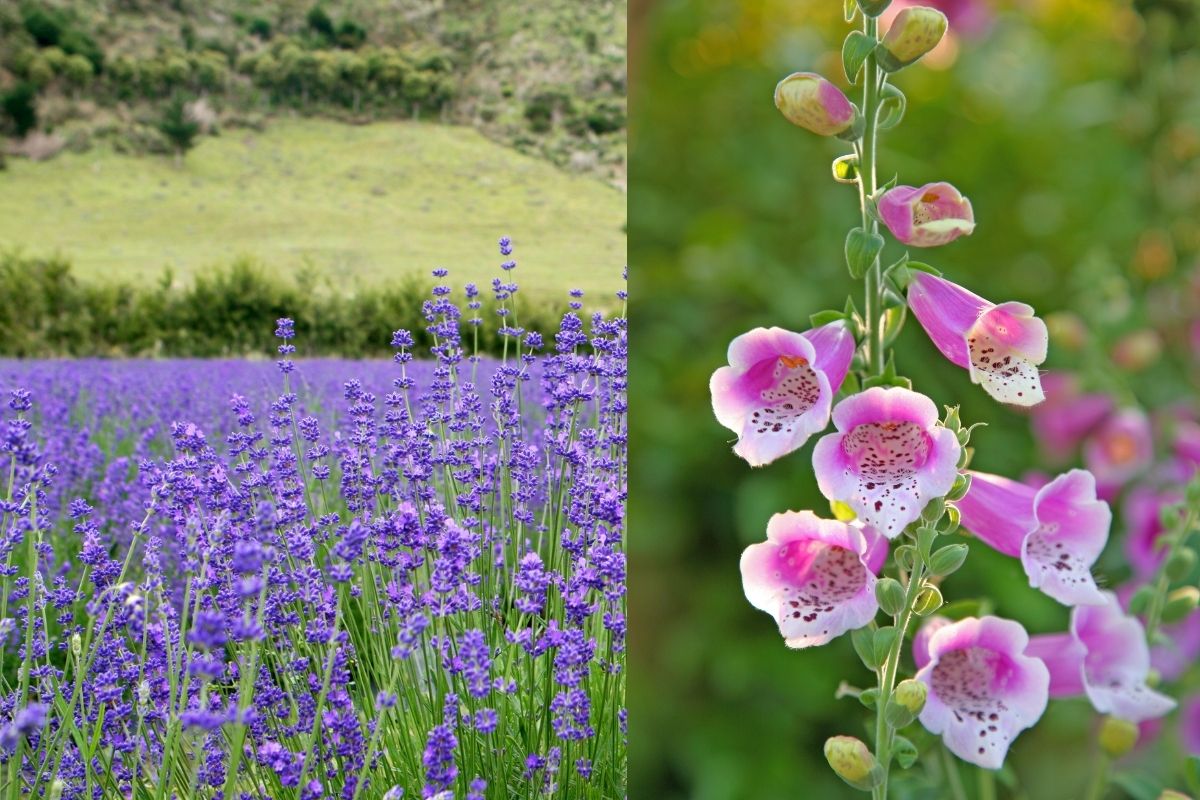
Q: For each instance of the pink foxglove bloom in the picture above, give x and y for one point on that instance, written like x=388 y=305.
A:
x=1142 y=512
x=1119 y=450
x=1189 y=726
x=1067 y=415
x=1103 y=656
x=1000 y=345
x=778 y=387
x=888 y=458
x=811 y=575
x=813 y=103
x=984 y=689
x=1058 y=531
x=926 y=216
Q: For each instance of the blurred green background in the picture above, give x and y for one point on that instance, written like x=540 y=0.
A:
x=1066 y=124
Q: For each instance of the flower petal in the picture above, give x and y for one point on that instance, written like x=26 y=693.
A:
x=833 y=346
x=947 y=312
x=998 y=511
x=1063 y=655
x=1071 y=531
x=1117 y=663
x=1006 y=344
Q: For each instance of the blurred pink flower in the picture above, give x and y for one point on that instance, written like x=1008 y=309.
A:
x=1067 y=415
x=1119 y=450
x=1141 y=510
x=926 y=216
x=1104 y=655
x=811 y=575
x=983 y=687
x=1189 y=725
x=888 y=458
x=778 y=387
x=968 y=18
x=1000 y=345
x=1058 y=531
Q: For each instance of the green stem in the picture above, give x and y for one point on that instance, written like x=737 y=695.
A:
x=1100 y=780
x=952 y=777
x=867 y=181
x=1176 y=542
x=888 y=671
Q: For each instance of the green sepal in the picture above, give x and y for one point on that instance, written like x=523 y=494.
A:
x=906 y=557
x=869 y=697
x=962 y=485
x=888 y=377
x=857 y=126
x=953 y=520
x=890 y=596
x=929 y=600
x=849 y=9
x=825 y=317
x=891 y=107
x=897 y=716
x=904 y=751
x=925 y=538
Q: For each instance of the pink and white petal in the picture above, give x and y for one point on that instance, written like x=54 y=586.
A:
x=885 y=477
x=1063 y=656
x=880 y=404
x=1189 y=726
x=850 y=614
x=728 y=403
x=1072 y=530
x=1006 y=375
x=895 y=208
x=771 y=432
x=998 y=511
x=946 y=311
x=877 y=548
x=833 y=346
x=940 y=470
x=920 y=646
x=987 y=691
x=1015 y=326
x=762 y=344
x=762 y=581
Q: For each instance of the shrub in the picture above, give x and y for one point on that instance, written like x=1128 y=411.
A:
x=540 y=110
x=319 y=22
x=20 y=107
x=45 y=25
x=178 y=127
x=260 y=28
x=350 y=35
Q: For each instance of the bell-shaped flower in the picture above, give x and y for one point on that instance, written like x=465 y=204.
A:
x=1000 y=345
x=1067 y=415
x=1104 y=655
x=813 y=103
x=779 y=386
x=811 y=575
x=984 y=689
x=888 y=458
x=1058 y=531
x=1142 y=512
x=926 y=216
x=1119 y=449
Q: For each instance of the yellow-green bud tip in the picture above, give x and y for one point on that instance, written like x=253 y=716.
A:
x=1117 y=736
x=911 y=694
x=853 y=762
x=915 y=31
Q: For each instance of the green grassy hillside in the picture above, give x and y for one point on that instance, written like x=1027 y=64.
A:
x=365 y=204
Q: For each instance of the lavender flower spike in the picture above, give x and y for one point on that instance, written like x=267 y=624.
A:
x=811 y=575
x=926 y=216
x=1000 y=345
x=888 y=458
x=1058 y=531
x=779 y=386
x=1105 y=656
x=984 y=688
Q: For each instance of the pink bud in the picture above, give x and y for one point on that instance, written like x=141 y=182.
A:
x=926 y=216
x=808 y=100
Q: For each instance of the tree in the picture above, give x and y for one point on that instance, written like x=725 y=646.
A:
x=179 y=128
x=320 y=23
x=20 y=106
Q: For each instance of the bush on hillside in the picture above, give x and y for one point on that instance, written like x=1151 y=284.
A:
x=20 y=108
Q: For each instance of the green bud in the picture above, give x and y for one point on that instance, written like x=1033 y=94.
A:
x=1139 y=603
x=928 y=600
x=1181 y=563
x=948 y=559
x=1153 y=678
x=953 y=520
x=906 y=703
x=915 y=31
x=76 y=645
x=962 y=484
x=890 y=595
x=953 y=421
x=1117 y=736
x=897 y=716
x=873 y=8
x=1180 y=603
x=933 y=510
x=56 y=789
x=845 y=169
x=853 y=762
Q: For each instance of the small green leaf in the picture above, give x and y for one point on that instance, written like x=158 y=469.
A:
x=825 y=317
x=893 y=323
x=862 y=248
x=904 y=751
x=869 y=697
x=855 y=50
x=925 y=537
x=906 y=557
x=850 y=8
x=922 y=267
x=884 y=639
x=1191 y=769
x=863 y=640
x=1139 y=787
x=890 y=596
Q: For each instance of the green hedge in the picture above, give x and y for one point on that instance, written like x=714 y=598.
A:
x=46 y=311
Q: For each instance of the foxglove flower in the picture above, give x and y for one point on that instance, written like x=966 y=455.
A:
x=1058 y=531
x=811 y=575
x=926 y=216
x=914 y=32
x=778 y=387
x=1120 y=449
x=813 y=103
x=984 y=688
x=1067 y=415
x=1189 y=726
x=888 y=458
x=1000 y=345
x=1104 y=656
x=1142 y=512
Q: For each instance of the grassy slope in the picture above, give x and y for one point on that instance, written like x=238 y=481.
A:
x=364 y=204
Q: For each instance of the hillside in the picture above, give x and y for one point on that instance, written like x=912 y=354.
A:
x=364 y=205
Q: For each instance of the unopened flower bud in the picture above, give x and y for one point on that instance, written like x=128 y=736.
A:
x=76 y=645
x=948 y=559
x=56 y=789
x=915 y=31
x=890 y=595
x=1117 y=736
x=1139 y=603
x=813 y=103
x=853 y=762
x=1180 y=603
x=873 y=8
x=1171 y=794
x=911 y=694
x=143 y=693
x=1181 y=563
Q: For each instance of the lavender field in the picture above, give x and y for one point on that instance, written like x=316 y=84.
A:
x=319 y=578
